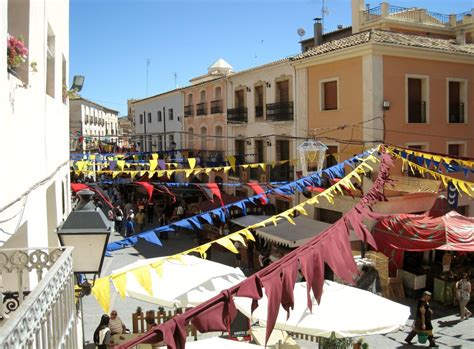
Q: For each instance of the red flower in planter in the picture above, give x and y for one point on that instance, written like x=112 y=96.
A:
x=17 y=53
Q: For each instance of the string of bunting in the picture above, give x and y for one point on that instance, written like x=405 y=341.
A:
x=427 y=159
x=459 y=184
x=191 y=223
x=101 y=290
x=278 y=279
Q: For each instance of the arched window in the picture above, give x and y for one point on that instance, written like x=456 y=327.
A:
x=218 y=93
x=191 y=138
x=219 y=140
x=203 y=138
x=203 y=96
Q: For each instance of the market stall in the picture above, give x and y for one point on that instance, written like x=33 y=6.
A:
x=396 y=234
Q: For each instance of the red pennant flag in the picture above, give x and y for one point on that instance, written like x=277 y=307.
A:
x=78 y=187
x=258 y=190
x=209 y=190
x=148 y=187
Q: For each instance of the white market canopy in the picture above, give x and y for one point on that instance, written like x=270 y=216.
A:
x=181 y=283
x=347 y=311
x=217 y=342
x=285 y=233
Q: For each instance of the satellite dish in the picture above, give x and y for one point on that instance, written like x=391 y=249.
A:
x=301 y=32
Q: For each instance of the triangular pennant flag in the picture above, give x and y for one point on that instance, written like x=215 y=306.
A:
x=120 y=164
x=101 y=292
x=143 y=277
x=231 y=159
x=202 y=250
x=154 y=156
x=227 y=243
x=80 y=165
x=115 y=174
x=153 y=164
x=120 y=283
x=192 y=162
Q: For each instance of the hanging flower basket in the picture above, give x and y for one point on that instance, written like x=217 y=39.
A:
x=17 y=53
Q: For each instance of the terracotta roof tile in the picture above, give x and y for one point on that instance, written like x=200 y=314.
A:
x=388 y=37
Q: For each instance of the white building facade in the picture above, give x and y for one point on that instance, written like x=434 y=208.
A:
x=34 y=181
x=159 y=122
x=94 y=122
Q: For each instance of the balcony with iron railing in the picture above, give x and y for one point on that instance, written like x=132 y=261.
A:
x=45 y=315
x=216 y=106
x=413 y=15
x=280 y=111
x=237 y=115
x=201 y=108
x=456 y=113
x=417 y=112
x=188 y=111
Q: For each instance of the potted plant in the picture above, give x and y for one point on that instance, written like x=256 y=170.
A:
x=17 y=53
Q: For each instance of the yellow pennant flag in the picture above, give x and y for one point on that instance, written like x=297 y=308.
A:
x=238 y=237
x=80 y=165
x=169 y=173
x=192 y=163
x=263 y=166
x=226 y=169
x=245 y=166
x=231 y=159
x=301 y=210
x=91 y=157
x=153 y=164
x=288 y=218
x=120 y=283
x=248 y=234
x=161 y=173
x=101 y=292
x=188 y=173
x=154 y=156
x=127 y=165
x=143 y=277
x=120 y=164
x=133 y=174
x=202 y=250
x=115 y=174
x=208 y=170
x=227 y=243
x=135 y=157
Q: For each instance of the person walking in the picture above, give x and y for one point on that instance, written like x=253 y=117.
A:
x=463 y=292
x=118 y=219
x=423 y=320
x=102 y=334
x=140 y=218
x=129 y=227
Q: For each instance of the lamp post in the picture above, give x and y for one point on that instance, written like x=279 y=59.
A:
x=87 y=230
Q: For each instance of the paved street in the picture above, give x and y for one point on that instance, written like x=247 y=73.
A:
x=449 y=331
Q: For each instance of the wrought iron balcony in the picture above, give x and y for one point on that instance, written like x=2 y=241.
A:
x=201 y=108
x=259 y=111
x=237 y=115
x=456 y=113
x=188 y=111
x=280 y=111
x=45 y=316
x=216 y=106
x=417 y=112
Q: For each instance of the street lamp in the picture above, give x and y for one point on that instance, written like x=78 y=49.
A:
x=87 y=230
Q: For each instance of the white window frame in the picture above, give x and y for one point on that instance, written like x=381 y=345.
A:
x=425 y=95
x=464 y=99
x=424 y=145
x=462 y=143
x=321 y=94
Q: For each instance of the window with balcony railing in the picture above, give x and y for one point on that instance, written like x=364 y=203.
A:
x=188 y=111
x=456 y=97
x=216 y=106
x=201 y=108
x=417 y=94
x=280 y=111
x=237 y=115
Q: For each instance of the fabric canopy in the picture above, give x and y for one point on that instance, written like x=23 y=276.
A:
x=217 y=342
x=396 y=233
x=182 y=283
x=344 y=310
x=286 y=233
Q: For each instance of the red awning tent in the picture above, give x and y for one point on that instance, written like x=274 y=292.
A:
x=411 y=232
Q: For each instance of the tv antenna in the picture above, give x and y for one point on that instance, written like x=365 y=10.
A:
x=301 y=32
x=324 y=12
x=175 y=80
x=147 y=66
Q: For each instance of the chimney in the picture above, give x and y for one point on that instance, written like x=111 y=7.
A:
x=461 y=37
x=339 y=26
x=318 y=32
x=358 y=6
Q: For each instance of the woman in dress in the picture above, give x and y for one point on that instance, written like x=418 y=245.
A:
x=463 y=288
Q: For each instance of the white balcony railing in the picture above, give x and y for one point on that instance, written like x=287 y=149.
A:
x=45 y=316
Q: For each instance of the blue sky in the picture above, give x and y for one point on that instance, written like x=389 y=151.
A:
x=111 y=40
